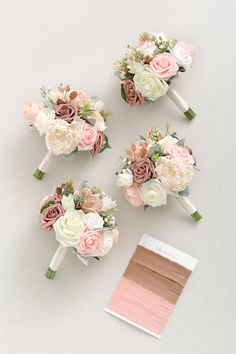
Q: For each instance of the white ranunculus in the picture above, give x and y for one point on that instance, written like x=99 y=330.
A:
x=167 y=143
x=174 y=174
x=62 y=137
x=99 y=121
x=69 y=227
x=124 y=179
x=99 y=106
x=108 y=203
x=68 y=202
x=182 y=56
x=107 y=242
x=94 y=221
x=149 y=85
x=153 y=193
x=43 y=119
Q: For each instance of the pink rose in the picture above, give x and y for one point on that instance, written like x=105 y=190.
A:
x=78 y=98
x=133 y=97
x=132 y=194
x=164 y=66
x=87 y=136
x=182 y=153
x=50 y=215
x=143 y=170
x=100 y=142
x=50 y=198
x=66 y=112
x=30 y=111
x=90 y=243
x=188 y=47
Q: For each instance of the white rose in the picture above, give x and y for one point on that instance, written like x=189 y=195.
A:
x=149 y=85
x=107 y=242
x=69 y=227
x=167 y=143
x=133 y=66
x=43 y=119
x=153 y=193
x=174 y=174
x=68 y=202
x=62 y=137
x=94 y=221
x=99 y=121
x=124 y=179
x=99 y=106
x=182 y=56
x=108 y=203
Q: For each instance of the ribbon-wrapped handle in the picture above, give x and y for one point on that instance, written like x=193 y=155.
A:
x=44 y=166
x=56 y=262
x=190 y=208
x=181 y=104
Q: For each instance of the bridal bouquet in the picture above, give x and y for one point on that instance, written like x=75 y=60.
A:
x=82 y=220
x=156 y=166
x=148 y=68
x=70 y=120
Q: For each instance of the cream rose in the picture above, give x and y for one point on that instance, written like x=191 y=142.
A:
x=68 y=202
x=124 y=179
x=70 y=227
x=182 y=55
x=99 y=121
x=174 y=174
x=93 y=221
x=107 y=242
x=153 y=193
x=43 y=120
x=167 y=143
x=149 y=85
x=62 y=137
x=108 y=203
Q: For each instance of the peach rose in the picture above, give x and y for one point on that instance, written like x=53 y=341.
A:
x=90 y=202
x=78 y=98
x=132 y=194
x=30 y=111
x=164 y=66
x=87 y=136
x=182 y=153
x=90 y=243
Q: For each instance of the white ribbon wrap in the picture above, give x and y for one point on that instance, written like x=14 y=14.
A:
x=188 y=206
x=178 y=100
x=45 y=164
x=58 y=258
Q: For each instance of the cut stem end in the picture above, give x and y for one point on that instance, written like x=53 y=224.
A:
x=190 y=114
x=196 y=216
x=50 y=274
x=38 y=174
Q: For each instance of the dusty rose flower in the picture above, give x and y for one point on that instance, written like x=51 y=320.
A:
x=50 y=215
x=50 y=198
x=65 y=111
x=143 y=170
x=133 y=97
x=100 y=142
x=90 y=201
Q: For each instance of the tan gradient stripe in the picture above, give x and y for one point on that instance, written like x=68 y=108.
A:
x=161 y=265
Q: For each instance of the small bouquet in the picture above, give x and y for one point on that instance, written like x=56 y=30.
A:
x=70 y=120
x=156 y=166
x=147 y=70
x=82 y=220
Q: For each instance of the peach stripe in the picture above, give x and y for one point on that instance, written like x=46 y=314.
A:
x=140 y=306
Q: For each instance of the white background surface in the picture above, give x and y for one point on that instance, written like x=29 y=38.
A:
x=48 y=42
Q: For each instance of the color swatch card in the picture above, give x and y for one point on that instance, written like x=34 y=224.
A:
x=151 y=285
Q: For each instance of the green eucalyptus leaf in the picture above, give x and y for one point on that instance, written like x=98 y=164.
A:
x=106 y=145
x=122 y=93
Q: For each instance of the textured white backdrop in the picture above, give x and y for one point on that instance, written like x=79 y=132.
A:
x=47 y=42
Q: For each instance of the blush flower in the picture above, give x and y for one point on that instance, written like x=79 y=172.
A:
x=90 y=243
x=89 y=201
x=132 y=194
x=133 y=97
x=30 y=111
x=143 y=170
x=164 y=66
x=182 y=153
x=87 y=136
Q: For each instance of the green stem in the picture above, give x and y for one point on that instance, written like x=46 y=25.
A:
x=50 y=274
x=38 y=174
x=196 y=216
x=190 y=114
